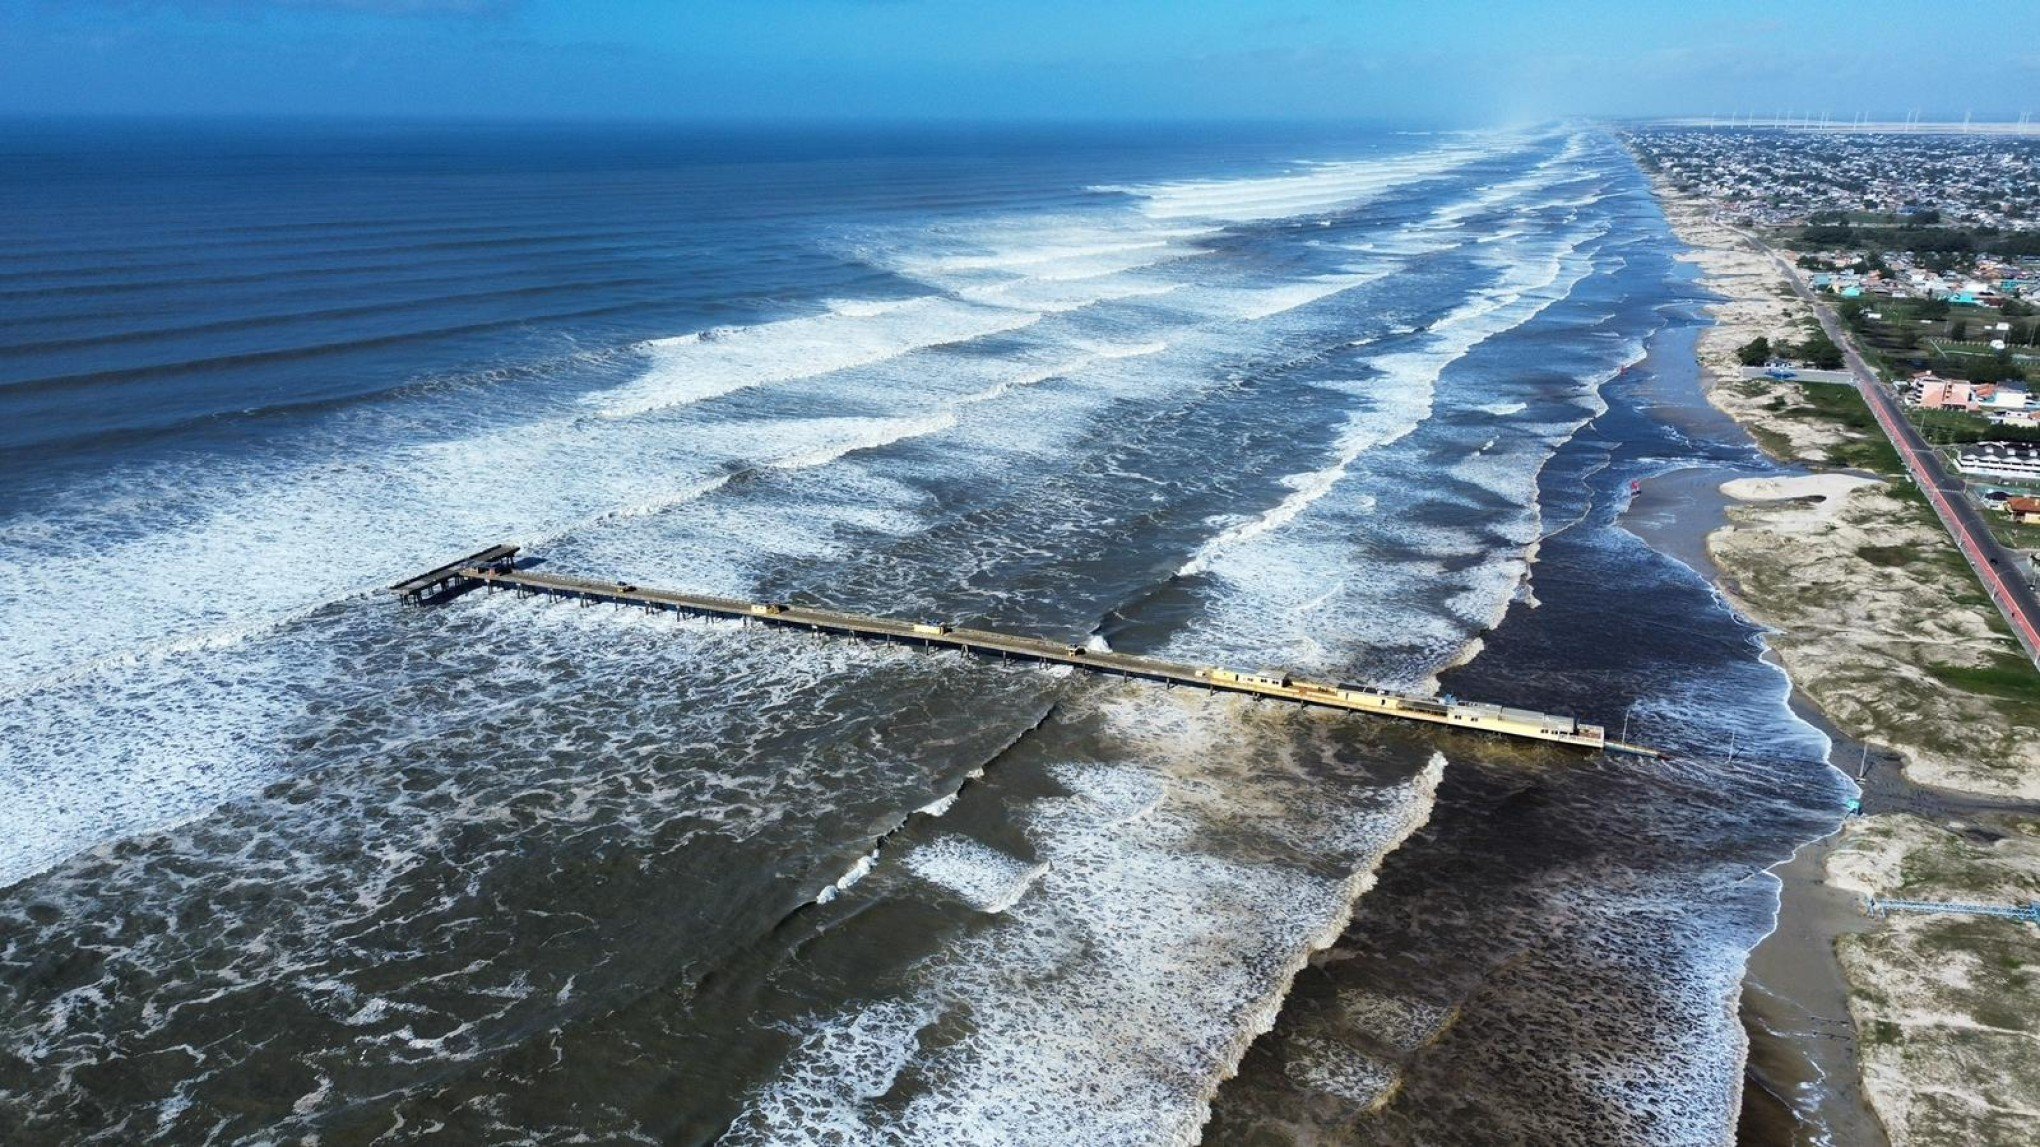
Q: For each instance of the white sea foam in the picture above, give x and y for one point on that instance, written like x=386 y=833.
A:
x=1280 y=574
x=1400 y=398
x=1058 y=248
x=856 y=872
x=1253 y=304
x=1311 y=189
x=1396 y=409
x=1545 y=174
x=989 y=880
x=1053 y=297
x=1334 y=1067
x=1104 y=1004
x=1103 y=996
x=159 y=696
x=685 y=371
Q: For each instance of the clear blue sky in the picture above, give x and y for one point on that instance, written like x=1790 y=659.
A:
x=1484 y=61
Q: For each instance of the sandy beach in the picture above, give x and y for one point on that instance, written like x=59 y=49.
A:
x=1875 y=618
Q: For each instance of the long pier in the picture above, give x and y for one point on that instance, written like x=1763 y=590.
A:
x=2030 y=913
x=495 y=568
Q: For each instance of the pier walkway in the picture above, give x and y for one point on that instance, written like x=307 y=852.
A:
x=495 y=569
x=2030 y=913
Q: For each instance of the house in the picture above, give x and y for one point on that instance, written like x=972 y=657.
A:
x=1936 y=393
x=2008 y=461
x=2025 y=511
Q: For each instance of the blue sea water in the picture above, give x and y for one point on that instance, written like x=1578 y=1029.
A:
x=281 y=859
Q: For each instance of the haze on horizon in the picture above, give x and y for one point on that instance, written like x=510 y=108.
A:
x=1443 y=61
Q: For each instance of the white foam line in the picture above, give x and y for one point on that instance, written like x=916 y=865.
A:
x=1159 y=242
x=1052 y=250
x=1052 y=296
x=842 y=437
x=850 y=877
x=1315 y=188
x=1363 y=432
x=1110 y=1002
x=690 y=370
x=1404 y=404
x=879 y=432
x=1253 y=304
x=1547 y=173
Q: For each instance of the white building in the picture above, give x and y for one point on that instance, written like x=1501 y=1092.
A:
x=2006 y=461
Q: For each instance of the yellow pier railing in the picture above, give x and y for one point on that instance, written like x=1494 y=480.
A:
x=495 y=568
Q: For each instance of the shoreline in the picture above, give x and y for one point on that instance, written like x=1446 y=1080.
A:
x=1800 y=554
x=1800 y=1072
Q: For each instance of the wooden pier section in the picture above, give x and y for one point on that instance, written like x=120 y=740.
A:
x=495 y=568
x=2030 y=913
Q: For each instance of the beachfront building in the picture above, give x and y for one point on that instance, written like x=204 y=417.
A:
x=2004 y=461
x=1934 y=393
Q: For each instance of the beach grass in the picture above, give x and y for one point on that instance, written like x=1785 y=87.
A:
x=2006 y=677
x=1867 y=448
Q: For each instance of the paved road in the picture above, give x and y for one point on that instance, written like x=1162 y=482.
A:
x=1994 y=565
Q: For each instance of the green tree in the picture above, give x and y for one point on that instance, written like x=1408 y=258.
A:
x=1958 y=330
x=1820 y=352
x=1755 y=352
x=1995 y=368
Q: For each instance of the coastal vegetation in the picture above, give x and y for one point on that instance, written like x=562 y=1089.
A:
x=2006 y=676
x=1881 y=552
x=1823 y=236
x=1857 y=445
x=1881 y=623
x=1947 y=1004
x=1815 y=350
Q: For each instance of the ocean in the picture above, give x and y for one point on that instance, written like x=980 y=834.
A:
x=284 y=861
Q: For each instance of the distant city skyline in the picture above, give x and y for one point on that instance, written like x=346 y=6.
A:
x=1446 y=62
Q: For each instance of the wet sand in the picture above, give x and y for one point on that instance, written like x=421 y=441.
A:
x=1801 y=1084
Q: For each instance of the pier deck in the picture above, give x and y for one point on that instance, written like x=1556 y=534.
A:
x=2029 y=913
x=415 y=591
x=493 y=568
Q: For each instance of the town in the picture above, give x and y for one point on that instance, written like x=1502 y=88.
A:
x=1927 y=247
